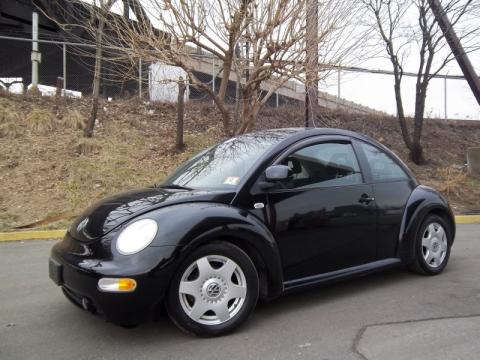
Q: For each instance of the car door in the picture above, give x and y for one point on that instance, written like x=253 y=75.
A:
x=323 y=216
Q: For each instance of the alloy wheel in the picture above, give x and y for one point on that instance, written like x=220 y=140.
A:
x=434 y=245
x=212 y=290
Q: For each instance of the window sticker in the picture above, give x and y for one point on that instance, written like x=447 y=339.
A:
x=231 y=180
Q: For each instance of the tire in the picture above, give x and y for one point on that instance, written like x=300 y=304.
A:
x=431 y=249
x=213 y=291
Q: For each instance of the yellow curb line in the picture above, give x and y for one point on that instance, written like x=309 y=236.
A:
x=31 y=235
x=56 y=234
x=467 y=219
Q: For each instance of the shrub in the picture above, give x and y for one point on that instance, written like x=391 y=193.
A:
x=87 y=146
x=40 y=120
x=11 y=130
x=7 y=113
x=452 y=180
x=74 y=119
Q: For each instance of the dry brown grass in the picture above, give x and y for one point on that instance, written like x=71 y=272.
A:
x=10 y=130
x=40 y=120
x=74 y=119
x=57 y=172
x=452 y=180
x=8 y=114
x=88 y=146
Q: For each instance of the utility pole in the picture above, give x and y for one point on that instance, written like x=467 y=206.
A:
x=36 y=56
x=445 y=98
x=311 y=63
x=456 y=47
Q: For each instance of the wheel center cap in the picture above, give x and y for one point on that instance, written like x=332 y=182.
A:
x=435 y=246
x=213 y=289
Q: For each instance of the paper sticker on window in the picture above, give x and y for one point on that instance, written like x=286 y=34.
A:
x=231 y=180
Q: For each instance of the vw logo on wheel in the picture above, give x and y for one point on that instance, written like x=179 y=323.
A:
x=213 y=290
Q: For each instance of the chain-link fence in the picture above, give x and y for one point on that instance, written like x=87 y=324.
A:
x=366 y=90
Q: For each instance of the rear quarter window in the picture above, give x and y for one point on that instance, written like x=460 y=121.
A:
x=382 y=166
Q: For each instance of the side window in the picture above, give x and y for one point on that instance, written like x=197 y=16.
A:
x=325 y=164
x=382 y=166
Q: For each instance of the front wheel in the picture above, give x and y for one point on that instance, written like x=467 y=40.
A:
x=213 y=291
x=432 y=246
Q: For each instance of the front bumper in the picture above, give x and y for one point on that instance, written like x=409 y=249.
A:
x=77 y=267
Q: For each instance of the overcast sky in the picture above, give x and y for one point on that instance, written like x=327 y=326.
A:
x=376 y=91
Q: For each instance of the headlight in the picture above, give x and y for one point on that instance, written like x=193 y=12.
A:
x=136 y=236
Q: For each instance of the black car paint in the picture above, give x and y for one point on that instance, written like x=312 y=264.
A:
x=289 y=255
x=332 y=235
x=423 y=200
x=106 y=215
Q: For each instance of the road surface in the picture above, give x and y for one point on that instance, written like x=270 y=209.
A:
x=394 y=315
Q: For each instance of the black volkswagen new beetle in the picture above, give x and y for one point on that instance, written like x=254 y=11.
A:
x=256 y=216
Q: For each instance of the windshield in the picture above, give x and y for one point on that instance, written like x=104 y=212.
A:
x=224 y=165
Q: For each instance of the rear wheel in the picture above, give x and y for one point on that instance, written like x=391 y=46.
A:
x=214 y=290
x=432 y=246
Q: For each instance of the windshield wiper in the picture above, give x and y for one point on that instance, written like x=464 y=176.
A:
x=174 y=186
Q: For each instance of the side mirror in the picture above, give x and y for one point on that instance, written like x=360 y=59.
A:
x=277 y=173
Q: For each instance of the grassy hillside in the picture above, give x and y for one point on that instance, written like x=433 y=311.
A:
x=48 y=172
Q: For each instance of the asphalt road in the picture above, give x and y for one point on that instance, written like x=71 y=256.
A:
x=394 y=315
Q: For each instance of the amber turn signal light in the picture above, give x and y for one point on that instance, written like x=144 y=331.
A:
x=117 y=284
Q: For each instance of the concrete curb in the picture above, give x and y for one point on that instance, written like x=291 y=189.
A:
x=57 y=234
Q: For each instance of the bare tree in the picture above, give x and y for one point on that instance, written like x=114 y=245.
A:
x=402 y=38
x=280 y=51
x=191 y=33
x=184 y=32
x=275 y=38
x=98 y=22
x=272 y=30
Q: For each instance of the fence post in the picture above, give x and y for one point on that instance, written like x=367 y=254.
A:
x=59 y=87
x=213 y=78
x=213 y=74
x=276 y=100
x=180 y=114
x=140 y=78
x=64 y=69
x=35 y=56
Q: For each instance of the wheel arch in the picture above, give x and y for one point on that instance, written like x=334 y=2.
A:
x=202 y=223
x=265 y=257
x=267 y=283
x=422 y=202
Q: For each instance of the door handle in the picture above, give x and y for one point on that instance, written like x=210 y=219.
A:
x=365 y=199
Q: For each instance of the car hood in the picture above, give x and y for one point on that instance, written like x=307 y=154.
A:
x=107 y=214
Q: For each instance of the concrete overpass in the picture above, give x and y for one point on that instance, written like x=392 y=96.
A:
x=291 y=90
